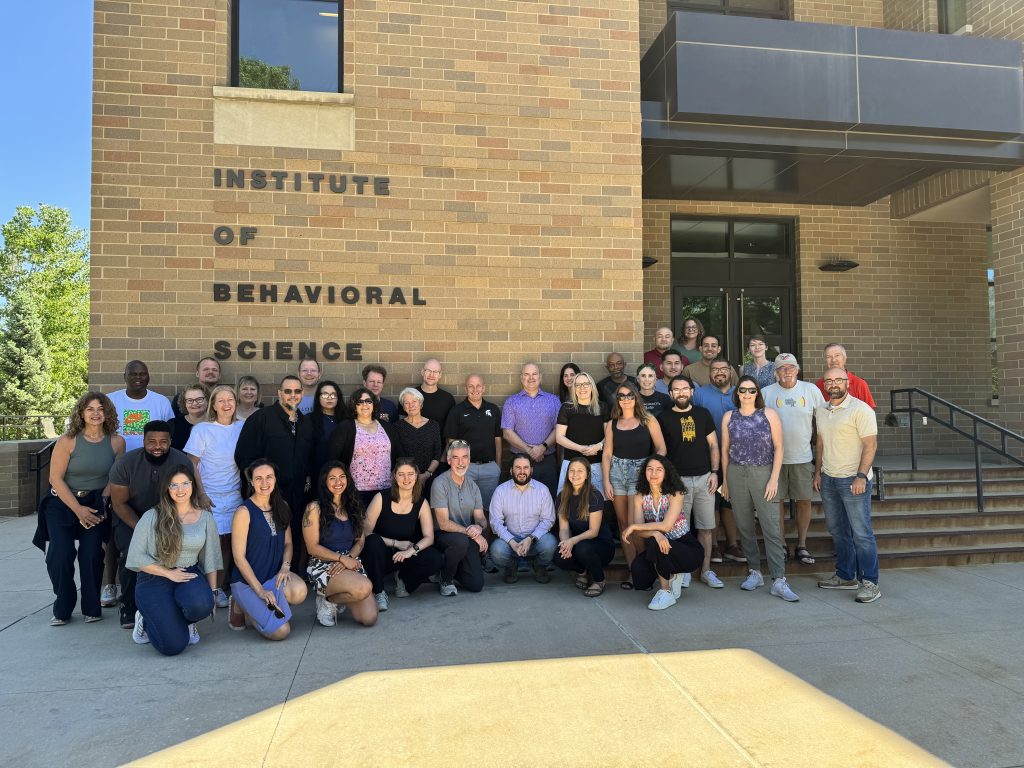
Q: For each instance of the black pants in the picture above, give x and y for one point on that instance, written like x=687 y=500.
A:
x=127 y=577
x=295 y=496
x=685 y=556
x=461 y=560
x=68 y=540
x=377 y=563
x=546 y=473
x=590 y=555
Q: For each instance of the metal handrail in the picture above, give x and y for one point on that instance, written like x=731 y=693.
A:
x=37 y=462
x=949 y=421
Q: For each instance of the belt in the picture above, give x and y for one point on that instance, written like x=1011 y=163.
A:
x=76 y=494
x=485 y=461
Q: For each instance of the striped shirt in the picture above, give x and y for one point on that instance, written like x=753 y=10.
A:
x=518 y=514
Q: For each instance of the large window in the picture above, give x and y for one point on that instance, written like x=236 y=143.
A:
x=771 y=9
x=952 y=16
x=287 y=45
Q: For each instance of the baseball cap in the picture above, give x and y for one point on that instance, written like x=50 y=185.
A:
x=786 y=359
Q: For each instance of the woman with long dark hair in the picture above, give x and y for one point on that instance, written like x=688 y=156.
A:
x=74 y=511
x=751 y=463
x=566 y=377
x=173 y=546
x=328 y=411
x=400 y=535
x=585 y=543
x=366 y=444
x=666 y=547
x=334 y=528
x=263 y=587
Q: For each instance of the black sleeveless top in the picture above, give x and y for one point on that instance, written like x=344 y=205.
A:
x=631 y=443
x=392 y=525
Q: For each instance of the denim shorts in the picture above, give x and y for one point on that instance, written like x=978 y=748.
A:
x=623 y=475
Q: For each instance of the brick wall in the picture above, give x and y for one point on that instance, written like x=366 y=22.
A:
x=911 y=15
x=854 y=13
x=509 y=133
x=914 y=313
x=936 y=189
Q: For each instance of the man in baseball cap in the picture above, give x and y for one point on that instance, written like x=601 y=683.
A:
x=795 y=401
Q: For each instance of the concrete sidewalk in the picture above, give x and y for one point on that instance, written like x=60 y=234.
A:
x=939 y=660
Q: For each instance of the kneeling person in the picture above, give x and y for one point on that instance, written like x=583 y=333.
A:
x=459 y=510
x=585 y=542
x=262 y=585
x=521 y=516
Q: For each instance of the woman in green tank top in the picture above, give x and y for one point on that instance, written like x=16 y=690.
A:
x=72 y=517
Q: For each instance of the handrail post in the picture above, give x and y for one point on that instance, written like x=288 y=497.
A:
x=913 y=451
x=978 y=479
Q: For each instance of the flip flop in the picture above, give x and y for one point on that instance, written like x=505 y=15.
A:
x=804 y=556
x=594 y=589
x=582 y=581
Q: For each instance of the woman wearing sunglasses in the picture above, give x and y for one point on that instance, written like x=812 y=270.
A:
x=174 y=546
x=579 y=429
x=366 y=445
x=751 y=462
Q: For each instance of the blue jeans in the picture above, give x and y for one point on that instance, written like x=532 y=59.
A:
x=543 y=549
x=848 y=518
x=168 y=607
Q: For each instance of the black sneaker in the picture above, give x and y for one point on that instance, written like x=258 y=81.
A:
x=127 y=617
x=512 y=572
x=540 y=573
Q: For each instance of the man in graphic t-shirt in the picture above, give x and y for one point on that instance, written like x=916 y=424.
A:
x=137 y=405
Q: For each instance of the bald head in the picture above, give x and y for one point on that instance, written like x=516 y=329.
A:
x=431 y=374
x=474 y=388
x=663 y=339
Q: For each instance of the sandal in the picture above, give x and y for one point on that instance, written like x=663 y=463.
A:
x=55 y=622
x=582 y=581
x=594 y=589
x=626 y=585
x=804 y=556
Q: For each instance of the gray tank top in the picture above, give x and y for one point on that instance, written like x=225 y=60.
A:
x=90 y=464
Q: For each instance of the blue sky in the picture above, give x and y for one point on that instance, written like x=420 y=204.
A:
x=46 y=61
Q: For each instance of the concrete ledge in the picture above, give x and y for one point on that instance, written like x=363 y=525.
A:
x=301 y=119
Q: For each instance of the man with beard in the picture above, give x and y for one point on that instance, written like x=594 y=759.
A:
x=692 y=446
x=135 y=482
x=207 y=374
x=309 y=375
x=521 y=515
x=671 y=366
x=844 y=449
x=663 y=341
x=283 y=436
x=137 y=405
x=710 y=352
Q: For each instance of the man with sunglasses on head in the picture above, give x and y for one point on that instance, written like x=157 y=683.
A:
x=283 y=436
x=844 y=450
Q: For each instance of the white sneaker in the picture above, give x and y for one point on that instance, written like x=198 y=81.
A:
x=139 y=631
x=221 y=597
x=193 y=634
x=400 y=590
x=753 y=581
x=448 y=589
x=382 y=601
x=686 y=580
x=675 y=585
x=711 y=579
x=662 y=599
x=780 y=588
x=326 y=612
x=868 y=592
x=108 y=596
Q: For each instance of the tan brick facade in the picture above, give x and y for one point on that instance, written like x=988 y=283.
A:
x=509 y=135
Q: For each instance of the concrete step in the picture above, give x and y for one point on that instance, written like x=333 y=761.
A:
x=994 y=502
x=950 y=487
x=930 y=519
x=966 y=474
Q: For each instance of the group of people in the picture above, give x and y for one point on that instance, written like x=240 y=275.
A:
x=174 y=509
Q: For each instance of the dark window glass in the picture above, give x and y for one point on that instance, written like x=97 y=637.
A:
x=760 y=240
x=700 y=239
x=772 y=9
x=287 y=45
x=952 y=15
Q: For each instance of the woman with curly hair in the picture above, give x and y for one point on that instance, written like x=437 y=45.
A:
x=334 y=529
x=175 y=544
x=75 y=510
x=666 y=547
x=263 y=587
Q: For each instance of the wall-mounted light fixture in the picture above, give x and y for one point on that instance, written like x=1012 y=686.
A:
x=649 y=261
x=836 y=264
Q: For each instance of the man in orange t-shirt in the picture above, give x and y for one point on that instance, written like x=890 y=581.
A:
x=835 y=357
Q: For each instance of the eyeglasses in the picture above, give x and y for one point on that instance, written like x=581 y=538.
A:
x=582 y=384
x=834 y=381
x=329 y=395
x=747 y=390
x=625 y=396
x=185 y=484
x=291 y=391
x=194 y=400
x=364 y=401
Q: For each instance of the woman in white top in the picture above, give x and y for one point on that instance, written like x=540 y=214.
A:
x=211 y=447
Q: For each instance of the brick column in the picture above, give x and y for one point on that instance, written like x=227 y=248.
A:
x=1008 y=259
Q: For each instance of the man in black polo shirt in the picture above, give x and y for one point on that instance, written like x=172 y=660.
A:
x=478 y=422
x=692 y=446
x=284 y=436
x=135 y=482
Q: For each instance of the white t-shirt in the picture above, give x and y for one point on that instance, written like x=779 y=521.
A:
x=214 y=445
x=795 y=407
x=134 y=415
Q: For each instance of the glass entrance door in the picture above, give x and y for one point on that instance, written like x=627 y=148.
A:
x=734 y=314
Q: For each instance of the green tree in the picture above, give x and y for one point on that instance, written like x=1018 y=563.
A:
x=46 y=256
x=26 y=386
x=254 y=73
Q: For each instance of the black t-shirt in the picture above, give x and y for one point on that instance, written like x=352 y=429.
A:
x=657 y=403
x=144 y=479
x=595 y=504
x=686 y=439
x=477 y=426
x=606 y=387
x=582 y=427
x=436 y=405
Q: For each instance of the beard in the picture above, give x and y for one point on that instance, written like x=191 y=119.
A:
x=523 y=482
x=156 y=460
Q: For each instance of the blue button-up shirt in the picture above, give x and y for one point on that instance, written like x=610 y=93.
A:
x=716 y=401
x=516 y=514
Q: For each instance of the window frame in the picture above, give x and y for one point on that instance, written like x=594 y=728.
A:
x=235 y=32
x=724 y=8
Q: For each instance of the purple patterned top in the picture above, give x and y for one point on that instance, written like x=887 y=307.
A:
x=532 y=418
x=750 y=439
x=652 y=515
x=371 y=459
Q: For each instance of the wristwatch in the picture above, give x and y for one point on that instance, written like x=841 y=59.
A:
x=416 y=548
x=862 y=476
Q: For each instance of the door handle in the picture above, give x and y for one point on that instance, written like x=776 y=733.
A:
x=743 y=325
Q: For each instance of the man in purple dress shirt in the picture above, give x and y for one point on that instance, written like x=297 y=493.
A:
x=528 y=425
